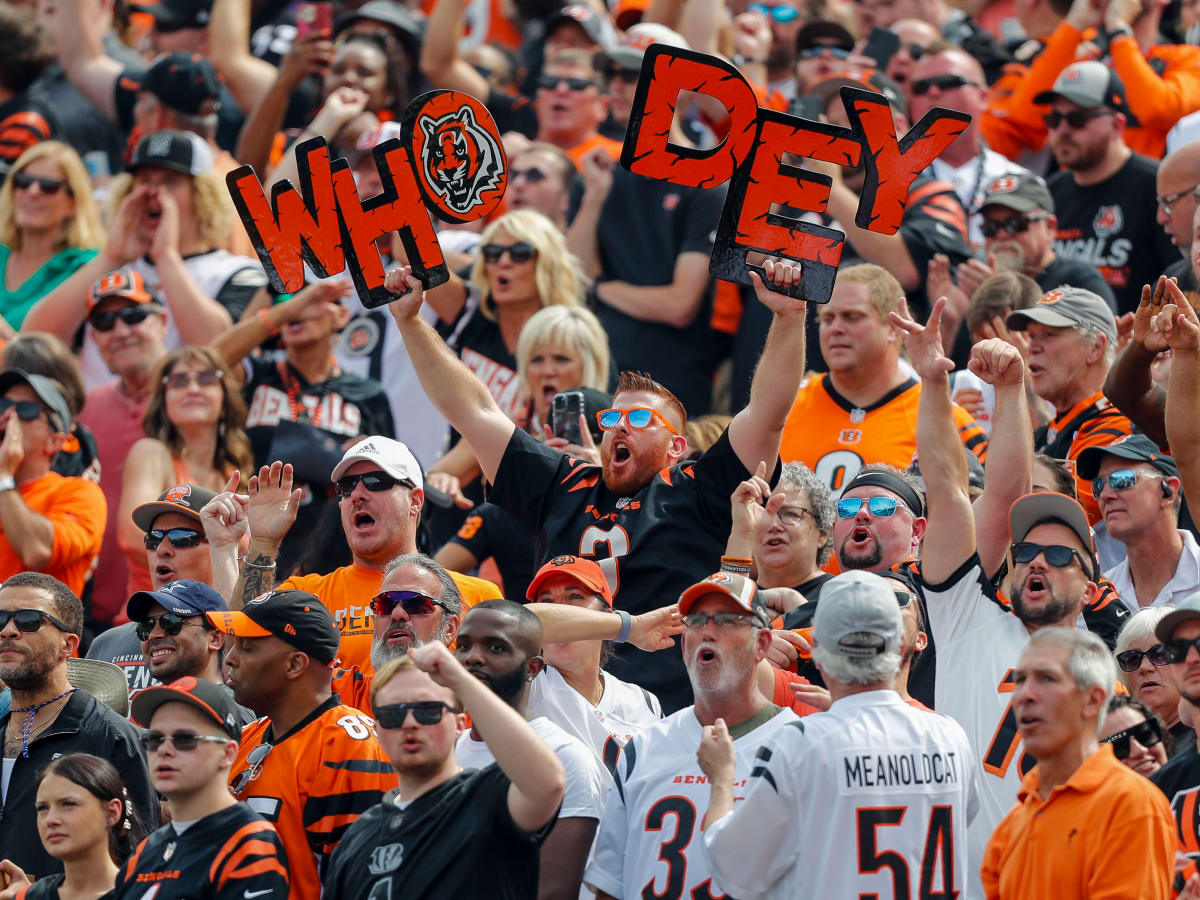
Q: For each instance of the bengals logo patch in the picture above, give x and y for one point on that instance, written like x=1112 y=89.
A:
x=1005 y=184
x=1050 y=297
x=178 y=493
x=461 y=167
x=1109 y=220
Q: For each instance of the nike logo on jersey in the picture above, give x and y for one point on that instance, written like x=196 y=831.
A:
x=250 y=894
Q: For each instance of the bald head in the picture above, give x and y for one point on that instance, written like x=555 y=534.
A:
x=1177 y=178
x=916 y=31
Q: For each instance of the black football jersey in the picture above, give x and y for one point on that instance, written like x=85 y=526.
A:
x=231 y=855
x=651 y=546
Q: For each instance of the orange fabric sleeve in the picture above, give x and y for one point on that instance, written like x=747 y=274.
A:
x=1157 y=101
x=783 y=696
x=78 y=516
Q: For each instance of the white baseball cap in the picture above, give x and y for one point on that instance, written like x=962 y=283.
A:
x=391 y=456
x=858 y=603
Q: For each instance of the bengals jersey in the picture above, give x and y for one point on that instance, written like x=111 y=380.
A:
x=229 y=855
x=313 y=783
x=1092 y=422
x=1179 y=779
x=835 y=438
x=651 y=546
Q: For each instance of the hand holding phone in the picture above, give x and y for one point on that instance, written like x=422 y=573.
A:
x=314 y=17
x=565 y=411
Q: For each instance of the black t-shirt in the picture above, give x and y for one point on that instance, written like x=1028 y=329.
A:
x=1179 y=779
x=457 y=840
x=802 y=617
x=1183 y=737
x=489 y=531
x=513 y=113
x=1182 y=270
x=47 y=889
x=651 y=546
x=1112 y=226
x=1076 y=273
x=480 y=345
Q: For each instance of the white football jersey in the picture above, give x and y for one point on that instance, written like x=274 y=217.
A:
x=623 y=711
x=648 y=844
x=869 y=799
x=979 y=643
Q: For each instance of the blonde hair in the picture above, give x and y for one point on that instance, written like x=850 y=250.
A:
x=84 y=229
x=213 y=210
x=573 y=327
x=559 y=277
x=883 y=290
x=391 y=670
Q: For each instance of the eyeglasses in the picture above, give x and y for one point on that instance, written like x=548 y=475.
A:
x=23 y=181
x=1165 y=203
x=1119 y=480
x=1055 y=554
x=880 y=507
x=180 y=538
x=426 y=712
x=1146 y=733
x=814 y=52
x=171 y=624
x=130 y=315
x=185 y=741
x=30 y=620
x=793 y=515
x=921 y=86
x=27 y=410
x=519 y=252
x=551 y=83
x=254 y=763
x=533 y=175
x=696 y=621
x=1131 y=660
x=638 y=417
x=375 y=482
x=203 y=378
x=1076 y=118
x=781 y=14
x=1177 y=649
x=414 y=603
x=1019 y=225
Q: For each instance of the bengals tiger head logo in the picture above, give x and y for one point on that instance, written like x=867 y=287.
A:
x=462 y=168
x=178 y=493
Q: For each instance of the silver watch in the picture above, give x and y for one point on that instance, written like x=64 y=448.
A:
x=8 y=483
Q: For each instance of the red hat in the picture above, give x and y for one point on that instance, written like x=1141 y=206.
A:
x=586 y=572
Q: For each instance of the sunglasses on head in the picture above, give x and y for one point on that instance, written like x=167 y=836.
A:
x=27 y=410
x=1120 y=480
x=1131 y=660
x=781 y=14
x=130 y=315
x=1177 y=649
x=879 y=507
x=520 y=252
x=171 y=624
x=1019 y=225
x=376 y=482
x=180 y=538
x=814 y=52
x=1056 y=555
x=152 y=741
x=203 y=378
x=23 y=181
x=426 y=712
x=414 y=603
x=551 y=83
x=30 y=620
x=254 y=764
x=1076 y=118
x=533 y=175
x=1146 y=733
x=638 y=417
x=921 y=86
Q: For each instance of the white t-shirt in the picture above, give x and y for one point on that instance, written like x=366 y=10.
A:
x=648 y=837
x=623 y=711
x=835 y=796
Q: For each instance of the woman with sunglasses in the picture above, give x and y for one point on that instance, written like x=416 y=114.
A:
x=1142 y=668
x=85 y=820
x=1137 y=735
x=194 y=425
x=49 y=227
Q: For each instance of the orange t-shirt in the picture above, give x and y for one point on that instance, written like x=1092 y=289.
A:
x=580 y=150
x=77 y=510
x=347 y=593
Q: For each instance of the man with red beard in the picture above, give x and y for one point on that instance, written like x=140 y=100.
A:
x=653 y=523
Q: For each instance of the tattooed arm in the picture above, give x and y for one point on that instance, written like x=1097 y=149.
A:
x=271 y=509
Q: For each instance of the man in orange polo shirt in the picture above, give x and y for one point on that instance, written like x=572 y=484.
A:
x=1084 y=825
x=48 y=523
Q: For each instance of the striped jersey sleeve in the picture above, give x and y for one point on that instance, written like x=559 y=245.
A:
x=251 y=862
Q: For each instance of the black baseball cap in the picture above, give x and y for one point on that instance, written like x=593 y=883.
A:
x=823 y=30
x=295 y=617
x=211 y=699
x=176 y=151
x=866 y=79
x=187 y=499
x=386 y=12
x=186 y=82
x=47 y=391
x=182 y=597
x=173 y=15
x=1133 y=446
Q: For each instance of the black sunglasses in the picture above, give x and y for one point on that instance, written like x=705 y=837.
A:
x=1131 y=660
x=915 y=51
x=181 y=740
x=1076 y=118
x=519 y=252
x=1018 y=225
x=171 y=624
x=30 y=620
x=629 y=76
x=814 y=52
x=27 y=410
x=533 y=174
x=942 y=82
x=1177 y=649
x=426 y=712
x=254 y=763
x=375 y=482
x=551 y=83
x=1055 y=554
x=130 y=315
x=414 y=603
x=22 y=181
x=1146 y=733
x=180 y=538
x=203 y=378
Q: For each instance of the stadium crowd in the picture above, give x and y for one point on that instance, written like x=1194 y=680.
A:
x=585 y=574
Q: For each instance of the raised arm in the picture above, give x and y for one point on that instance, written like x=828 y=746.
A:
x=78 y=28
x=440 y=61
x=226 y=526
x=198 y=317
x=1129 y=385
x=271 y=506
x=1179 y=328
x=950 y=534
x=650 y=631
x=754 y=432
x=455 y=391
x=537 y=776
x=249 y=78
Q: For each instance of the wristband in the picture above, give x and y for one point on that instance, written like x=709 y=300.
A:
x=272 y=328
x=736 y=564
x=252 y=565
x=1123 y=31
x=626 y=626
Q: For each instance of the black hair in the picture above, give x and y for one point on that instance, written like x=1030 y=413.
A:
x=100 y=779
x=66 y=605
x=1117 y=701
x=529 y=626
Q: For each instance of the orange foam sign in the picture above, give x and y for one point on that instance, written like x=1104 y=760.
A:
x=761 y=183
x=448 y=161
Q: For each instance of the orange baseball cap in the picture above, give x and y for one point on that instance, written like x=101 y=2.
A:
x=738 y=588
x=586 y=572
x=126 y=283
